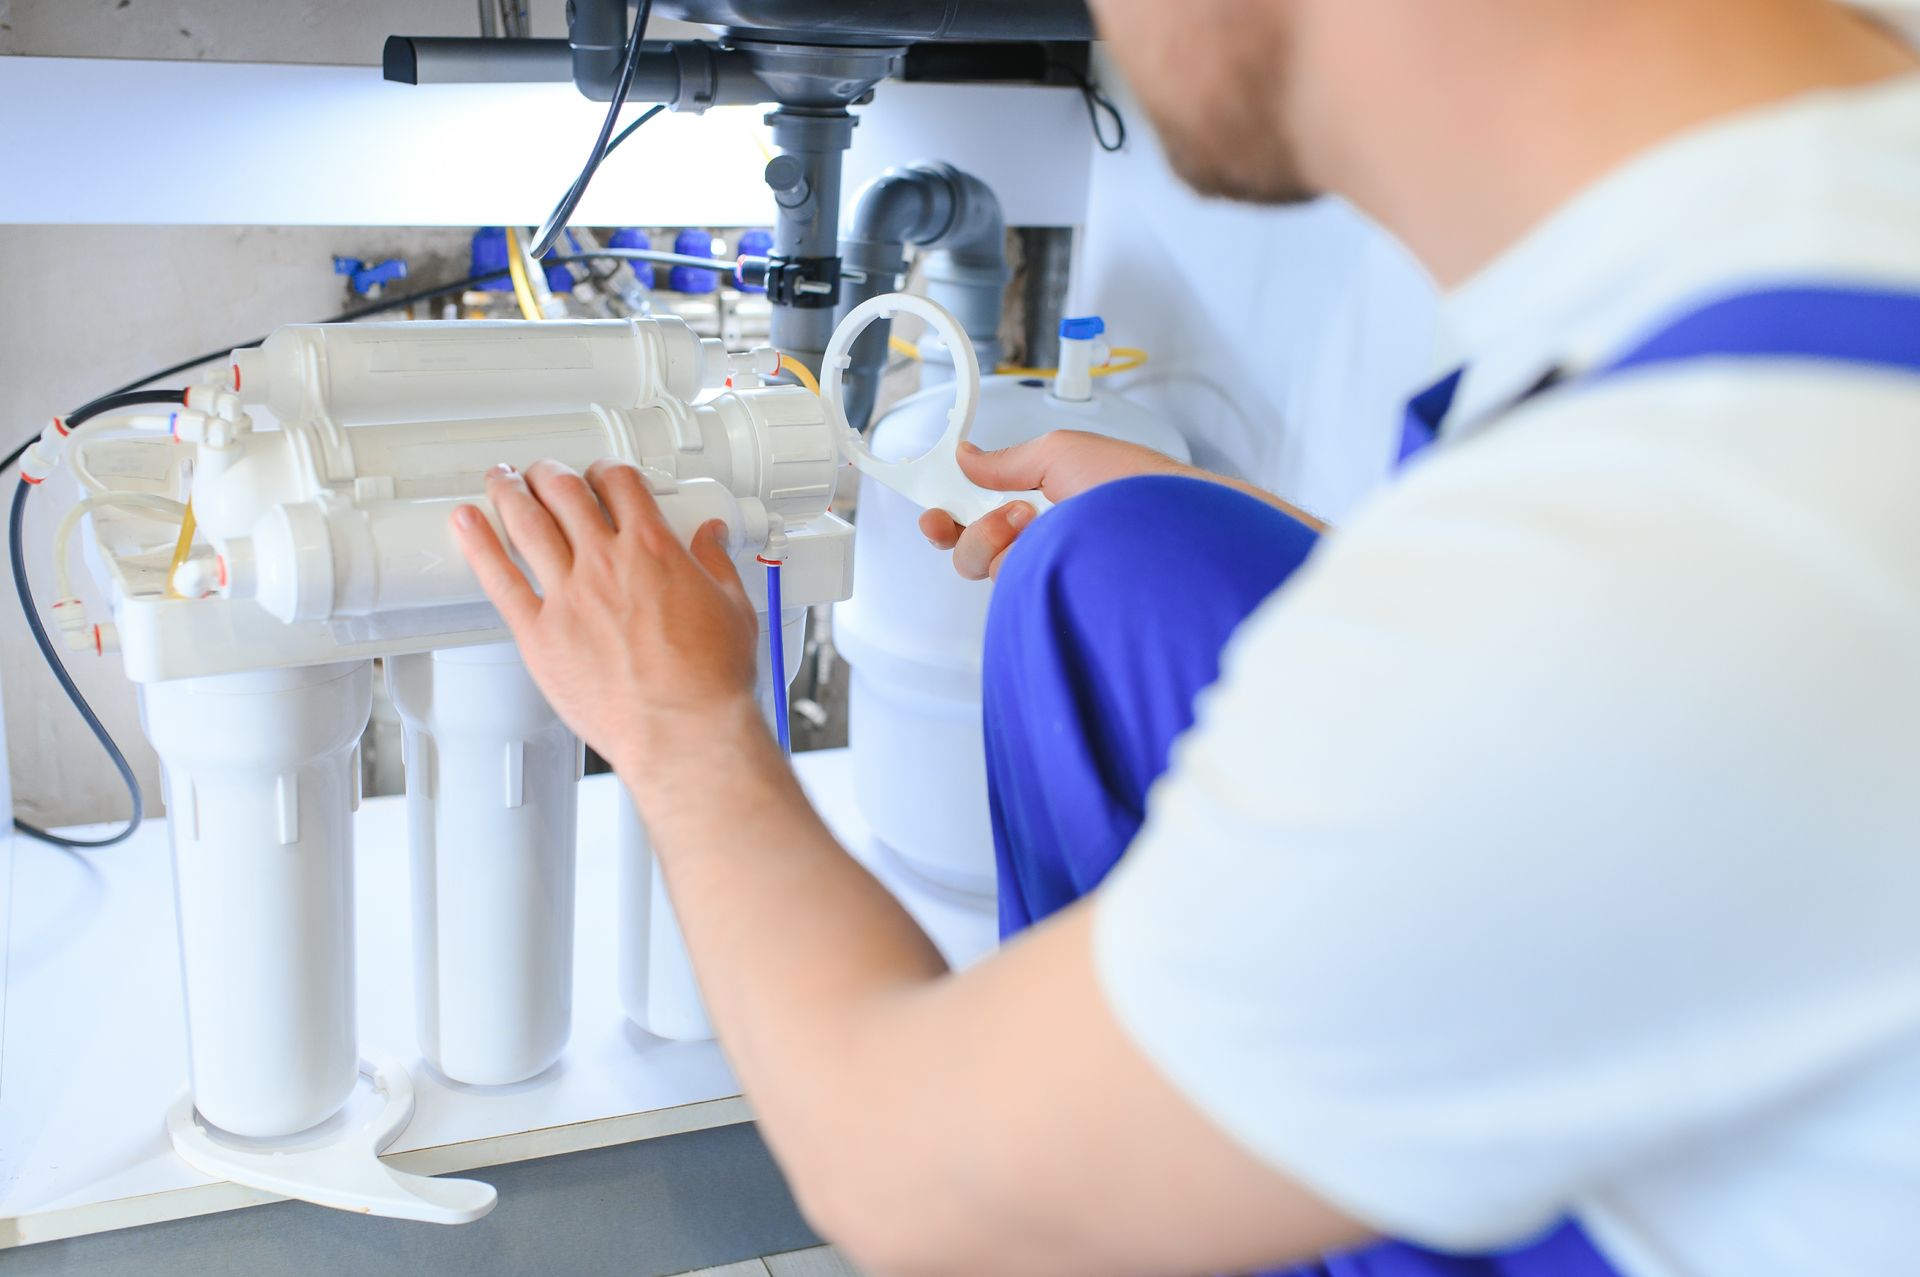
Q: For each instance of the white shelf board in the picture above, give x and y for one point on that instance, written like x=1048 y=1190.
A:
x=129 y=141
x=95 y=1044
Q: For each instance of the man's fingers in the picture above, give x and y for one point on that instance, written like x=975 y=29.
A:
x=978 y=554
x=710 y=552
x=938 y=527
x=506 y=585
x=623 y=490
x=1021 y=468
x=529 y=526
x=571 y=502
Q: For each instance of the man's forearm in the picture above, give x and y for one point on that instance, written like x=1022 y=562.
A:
x=794 y=942
x=1254 y=490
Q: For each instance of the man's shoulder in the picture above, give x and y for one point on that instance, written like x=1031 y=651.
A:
x=1719 y=504
x=1681 y=447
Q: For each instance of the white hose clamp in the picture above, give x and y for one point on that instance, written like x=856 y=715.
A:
x=934 y=480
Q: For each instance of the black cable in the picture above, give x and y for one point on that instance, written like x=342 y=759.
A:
x=557 y=220
x=627 y=132
x=118 y=399
x=1096 y=103
x=655 y=256
x=602 y=276
x=17 y=554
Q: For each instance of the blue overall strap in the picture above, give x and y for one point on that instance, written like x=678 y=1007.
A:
x=1875 y=327
x=1808 y=323
x=1420 y=429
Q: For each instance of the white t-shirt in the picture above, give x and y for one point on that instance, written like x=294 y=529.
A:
x=1551 y=844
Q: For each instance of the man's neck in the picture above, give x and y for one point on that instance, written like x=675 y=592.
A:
x=1489 y=128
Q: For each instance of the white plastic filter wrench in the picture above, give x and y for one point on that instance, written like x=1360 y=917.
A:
x=934 y=480
x=345 y=1172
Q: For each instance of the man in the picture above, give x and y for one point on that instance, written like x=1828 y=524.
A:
x=1548 y=848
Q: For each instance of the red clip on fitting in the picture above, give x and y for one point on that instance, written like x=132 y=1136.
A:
x=38 y=461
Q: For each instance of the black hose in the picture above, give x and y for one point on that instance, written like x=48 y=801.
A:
x=17 y=554
x=122 y=399
x=659 y=257
x=563 y=211
x=627 y=132
x=1098 y=103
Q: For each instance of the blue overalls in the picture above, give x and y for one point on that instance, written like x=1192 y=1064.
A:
x=1110 y=618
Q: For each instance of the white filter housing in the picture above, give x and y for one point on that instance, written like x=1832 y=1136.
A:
x=492 y=802
x=658 y=990
x=913 y=633
x=262 y=777
x=657 y=986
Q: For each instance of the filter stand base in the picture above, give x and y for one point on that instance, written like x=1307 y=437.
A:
x=344 y=1173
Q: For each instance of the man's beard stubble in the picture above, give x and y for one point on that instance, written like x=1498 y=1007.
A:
x=1226 y=134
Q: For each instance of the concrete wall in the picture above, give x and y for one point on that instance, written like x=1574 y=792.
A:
x=92 y=308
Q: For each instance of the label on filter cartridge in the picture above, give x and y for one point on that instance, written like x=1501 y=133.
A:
x=463 y=354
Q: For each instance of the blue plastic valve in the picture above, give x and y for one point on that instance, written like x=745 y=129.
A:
x=364 y=279
x=634 y=237
x=691 y=279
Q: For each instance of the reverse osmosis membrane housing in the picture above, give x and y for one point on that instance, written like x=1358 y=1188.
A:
x=325 y=542
x=914 y=631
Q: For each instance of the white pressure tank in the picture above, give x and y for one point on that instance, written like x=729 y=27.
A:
x=913 y=632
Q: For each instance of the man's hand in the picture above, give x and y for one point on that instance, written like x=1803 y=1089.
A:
x=1061 y=464
x=632 y=636
x=995 y=1121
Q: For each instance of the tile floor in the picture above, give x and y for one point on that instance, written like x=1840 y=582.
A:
x=822 y=1261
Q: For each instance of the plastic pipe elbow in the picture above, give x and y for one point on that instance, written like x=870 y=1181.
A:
x=70 y=618
x=214 y=401
x=938 y=207
x=596 y=37
x=198 y=578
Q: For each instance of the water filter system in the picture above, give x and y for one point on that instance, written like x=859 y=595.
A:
x=265 y=539
x=288 y=522
x=269 y=532
x=320 y=471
